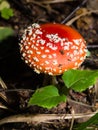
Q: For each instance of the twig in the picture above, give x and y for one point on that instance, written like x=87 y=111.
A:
x=39 y=118
x=49 y=1
x=81 y=15
x=71 y=14
x=3 y=107
x=3 y=97
x=92 y=46
x=72 y=121
x=14 y=90
x=3 y=85
x=54 y=1
x=80 y=103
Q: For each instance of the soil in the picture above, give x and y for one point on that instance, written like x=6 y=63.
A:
x=21 y=80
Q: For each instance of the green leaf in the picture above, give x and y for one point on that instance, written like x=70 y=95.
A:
x=91 y=121
x=47 y=97
x=79 y=80
x=6 y=13
x=5 y=32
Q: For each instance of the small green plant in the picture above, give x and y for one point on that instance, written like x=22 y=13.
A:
x=5 y=32
x=5 y=10
x=78 y=80
x=47 y=97
x=50 y=96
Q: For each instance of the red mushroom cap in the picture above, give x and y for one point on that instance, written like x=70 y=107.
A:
x=52 y=48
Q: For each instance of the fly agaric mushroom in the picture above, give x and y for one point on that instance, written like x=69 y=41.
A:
x=52 y=48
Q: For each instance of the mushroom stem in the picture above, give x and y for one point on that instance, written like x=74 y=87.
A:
x=49 y=80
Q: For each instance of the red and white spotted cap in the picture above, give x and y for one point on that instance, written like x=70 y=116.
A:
x=52 y=48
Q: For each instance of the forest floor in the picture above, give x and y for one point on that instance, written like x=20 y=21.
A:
x=20 y=80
